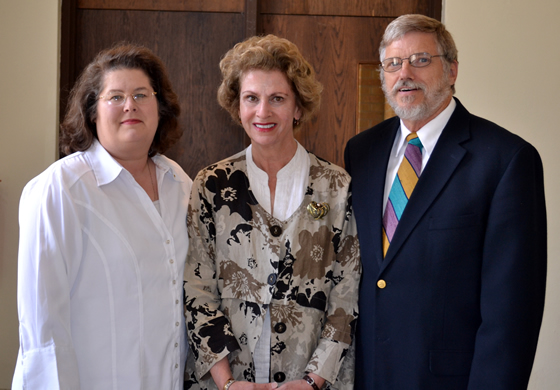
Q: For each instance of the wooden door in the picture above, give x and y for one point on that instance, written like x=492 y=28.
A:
x=340 y=38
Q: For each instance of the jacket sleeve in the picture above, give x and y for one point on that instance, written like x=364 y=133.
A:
x=50 y=235
x=513 y=277
x=208 y=329
x=342 y=311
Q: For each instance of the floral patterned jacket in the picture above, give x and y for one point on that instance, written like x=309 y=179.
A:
x=242 y=262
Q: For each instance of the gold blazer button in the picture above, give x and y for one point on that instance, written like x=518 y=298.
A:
x=381 y=283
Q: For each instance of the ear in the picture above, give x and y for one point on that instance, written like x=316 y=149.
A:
x=453 y=72
x=297 y=113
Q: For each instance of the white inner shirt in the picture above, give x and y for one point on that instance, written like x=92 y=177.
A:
x=291 y=185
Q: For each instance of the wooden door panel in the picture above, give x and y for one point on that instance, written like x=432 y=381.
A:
x=334 y=46
x=190 y=45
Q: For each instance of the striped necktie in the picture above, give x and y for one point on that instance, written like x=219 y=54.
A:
x=403 y=185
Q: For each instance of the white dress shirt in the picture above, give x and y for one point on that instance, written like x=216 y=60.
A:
x=100 y=277
x=429 y=135
x=291 y=185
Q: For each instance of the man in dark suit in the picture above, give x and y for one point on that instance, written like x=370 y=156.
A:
x=456 y=302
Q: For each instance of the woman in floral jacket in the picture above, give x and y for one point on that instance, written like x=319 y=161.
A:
x=273 y=265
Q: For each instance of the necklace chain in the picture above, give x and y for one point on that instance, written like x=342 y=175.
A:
x=152 y=180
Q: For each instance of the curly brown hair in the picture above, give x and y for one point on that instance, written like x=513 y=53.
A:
x=78 y=130
x=269 y=53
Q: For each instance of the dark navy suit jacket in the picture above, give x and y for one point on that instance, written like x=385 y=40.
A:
x=465 y=273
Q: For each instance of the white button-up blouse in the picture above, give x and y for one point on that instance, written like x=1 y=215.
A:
x=100 y=277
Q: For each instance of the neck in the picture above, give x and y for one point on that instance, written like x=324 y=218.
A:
x=415 y=125
x=272 y=159
x=135 y=166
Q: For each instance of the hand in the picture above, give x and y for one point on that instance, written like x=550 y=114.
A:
x=299 y=384
x=240 y=385
x=221 y=372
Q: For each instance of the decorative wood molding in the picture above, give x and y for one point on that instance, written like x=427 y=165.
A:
x=364 y=8
x=237 y=6
x=372 y=107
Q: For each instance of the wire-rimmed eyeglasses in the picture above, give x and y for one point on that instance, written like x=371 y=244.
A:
x=118 y=99
x=418 y=60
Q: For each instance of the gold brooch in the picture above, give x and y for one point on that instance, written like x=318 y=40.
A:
x=318 y=210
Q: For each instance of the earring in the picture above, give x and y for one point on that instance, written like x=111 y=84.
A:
x=296 y=122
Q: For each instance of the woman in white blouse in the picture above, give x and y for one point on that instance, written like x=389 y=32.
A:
x=273 y=266
x=103 y=238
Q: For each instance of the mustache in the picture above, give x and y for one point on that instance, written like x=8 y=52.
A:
x=407 y=84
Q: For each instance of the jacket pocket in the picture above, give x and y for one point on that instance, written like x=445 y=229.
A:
x=450 y=363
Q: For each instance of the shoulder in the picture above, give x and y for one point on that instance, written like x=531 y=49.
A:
x=487 y=136
x=382 y=129
x=51 y=191
x=237 y=162
x=483 y=130
x=325 y=166
x=177 y=171
x=334 y=177
x=227 y=173
x=63 y=173
x=493 y=133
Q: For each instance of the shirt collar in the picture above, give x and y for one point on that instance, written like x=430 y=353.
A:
x=104 y=166
x=289 y=169
x=429 y=134
x=106 y=169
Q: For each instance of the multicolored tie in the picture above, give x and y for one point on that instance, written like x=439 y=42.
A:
x=403 y=185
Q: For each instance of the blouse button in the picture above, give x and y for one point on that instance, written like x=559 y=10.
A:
x=280 y=327
x=279 y=377
x=271 y=279
x=171 y=261
x=177 y=324
x=275 y=230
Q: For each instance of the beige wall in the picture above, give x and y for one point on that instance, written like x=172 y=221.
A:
x=496 y=38
x=508 y=73
x=28 y=127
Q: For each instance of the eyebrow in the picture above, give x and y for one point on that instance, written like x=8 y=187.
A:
x=134 y=90
x=272 y=94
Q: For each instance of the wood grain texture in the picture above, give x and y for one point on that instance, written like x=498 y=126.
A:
x=167 y=5
x=378 y=8
x=370 y=109
x=190 y=45
x=335 y=46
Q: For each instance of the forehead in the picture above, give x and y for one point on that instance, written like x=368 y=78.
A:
x=268 y=79
x=125 y=78
x=411 y=43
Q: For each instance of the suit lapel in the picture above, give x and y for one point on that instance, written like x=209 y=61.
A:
x=445 y=158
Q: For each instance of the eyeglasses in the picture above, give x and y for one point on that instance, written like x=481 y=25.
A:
x=418 y=60
x=118 y=99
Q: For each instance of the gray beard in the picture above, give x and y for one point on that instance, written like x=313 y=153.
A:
x=433 y=99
